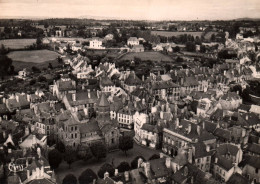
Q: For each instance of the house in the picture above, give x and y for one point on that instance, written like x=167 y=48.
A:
x=95 y=43
x=109 y=37
x=203 y=107
x=238 y=178
x=131 y=82
x=251 y=168
x=164 y=89
x=80 y=100
x=184 y=133
x=224 y=168
x=17 y=101
x=125 y=116
x=230 y=101
x=149 y=135
x=29 y=166
x=253 y=149
x=106 y=85
x=249 y=120
x=63 y=86
x=139 y=120
x=23 y=73
x=31 y=140
x=138 y=48
x=132 y=41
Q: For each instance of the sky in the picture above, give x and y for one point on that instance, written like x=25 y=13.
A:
x=133 y=9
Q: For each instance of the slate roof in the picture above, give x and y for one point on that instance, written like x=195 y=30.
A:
x=150 y=128
x=230 y=96
x=253 y=161
x=200 y=150
x=65 y=85
x=164 y=85
x=82 y=98
x=132 y=80
x=224 y=163
x=222 y=133
x=238 y=178
x=253 y=148
x=252 y=118
x=91 y=126
x=105 y=81
x=103 y=102
x=226 y=148
x=158 y=168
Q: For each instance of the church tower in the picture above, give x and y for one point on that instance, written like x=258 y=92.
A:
x=103 y=111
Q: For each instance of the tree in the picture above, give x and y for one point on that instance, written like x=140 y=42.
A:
x=190 y=46
x=70 y=179
x=59 y=59
x=55 y=158
x=50 y=66
x=154 y=156
x=87 y=177
x=176 y=49
x=60 y=147
x=70 y=155
x=179 y=59
x=84 y=152
x=5 y=64
x=36 y=70
x=99 y=150
x=42 y=79
x=126 y=143
x=134 y=163
x=38 y=42
x=213 y=38
x=106 y=168
x=202 y=48
x=123 y=166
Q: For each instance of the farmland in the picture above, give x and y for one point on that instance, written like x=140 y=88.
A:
x=17 y=43
x=170 y=34
x=153 y=56
x=38 y=58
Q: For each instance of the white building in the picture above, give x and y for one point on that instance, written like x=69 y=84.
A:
x=132 y=41
x=96 y=43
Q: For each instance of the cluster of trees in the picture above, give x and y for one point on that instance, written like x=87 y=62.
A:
x=6 y=67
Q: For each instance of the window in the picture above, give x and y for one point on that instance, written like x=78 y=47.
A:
x=75 y=135
x=112 y=141
x=256 y=170
x=72 y=136
x=76 y=127
x=71 y=128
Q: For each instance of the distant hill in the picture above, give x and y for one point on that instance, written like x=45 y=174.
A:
x=247 y=19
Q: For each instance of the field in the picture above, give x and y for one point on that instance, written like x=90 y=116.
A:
x=38 y=58
x=153 y=56
x=169 y=33
x=17 y=43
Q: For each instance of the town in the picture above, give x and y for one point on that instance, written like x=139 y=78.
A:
x=129 y=102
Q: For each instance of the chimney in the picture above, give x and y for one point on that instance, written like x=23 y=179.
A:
x=116 y=172
x=106 y=175
x=94 y=181
x=126 y=173
x=168 y=162
x=28 y=174
x=247 y=117
x=74 y=97
x=207 y=148
x=216 y=160
x=182 y=81
x=34 y=140
x=177 y=122
x=147 y=168
x=97 y=94
x=89 y=95
x=143 y=78
x=0 y=118
x=161 y=114
x=85 y=111
x=143 y=101
x=203 y=125
x=9 y=151
x=189 y=128
x=198 y=130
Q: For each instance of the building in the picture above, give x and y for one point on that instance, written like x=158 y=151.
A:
x=95 y=43
x=63 y=87
x=138 y=48
x=251 y=168
x=230 y=101
x=132 y=41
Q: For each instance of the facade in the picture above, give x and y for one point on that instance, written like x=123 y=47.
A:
x=132 y=41
x=95 y=43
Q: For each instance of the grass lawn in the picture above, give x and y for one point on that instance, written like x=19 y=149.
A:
x=153 y=56
x=33 y=56
x=170 y=34
x=78 y=167
x=17 y=43
x=37 y=58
